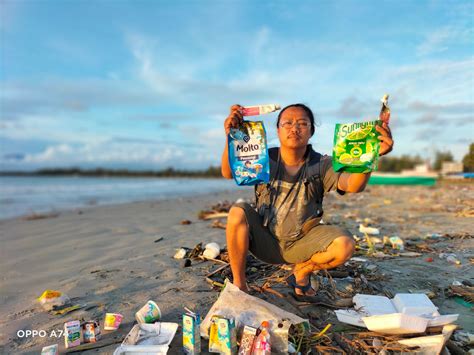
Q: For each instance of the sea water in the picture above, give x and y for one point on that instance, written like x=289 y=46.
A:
x=21 y=195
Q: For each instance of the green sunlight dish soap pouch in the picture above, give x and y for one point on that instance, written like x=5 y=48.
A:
x=248 y=151
x=356 y=145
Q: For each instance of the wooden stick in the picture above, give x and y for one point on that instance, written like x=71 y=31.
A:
x=217 y=270
x=211 y=259
x=215 y=215
x=272 y=291
x=343 y=344
x=214 y=283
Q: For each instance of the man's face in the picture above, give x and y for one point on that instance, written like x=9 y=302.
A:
x=294 y=129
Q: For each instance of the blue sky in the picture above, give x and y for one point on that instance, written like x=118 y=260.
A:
x=147 y=84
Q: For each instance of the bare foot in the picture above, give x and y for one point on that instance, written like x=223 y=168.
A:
x=242 y=287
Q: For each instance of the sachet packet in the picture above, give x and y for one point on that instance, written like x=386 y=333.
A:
x=356 y=147
x=248 y=153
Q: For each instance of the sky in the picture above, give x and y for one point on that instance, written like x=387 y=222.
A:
x=148 y=84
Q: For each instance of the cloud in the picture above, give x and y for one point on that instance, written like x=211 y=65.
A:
x=14 y=156
x=449 y=108
x=157 y=143
x=59 y=95
x=460 y=32
x=437 y=41
x=429 y=119
x=351 y=108
x=120 y=151
x=428 y=134
x=58 y=128
x=447 y=81
x=179 y=91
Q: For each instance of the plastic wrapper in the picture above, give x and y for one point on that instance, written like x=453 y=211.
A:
x=252 y=311
x=356 y=147
x=248 y=154
x=51 y=299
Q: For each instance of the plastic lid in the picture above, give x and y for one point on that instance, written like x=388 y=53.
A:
x=265 y=324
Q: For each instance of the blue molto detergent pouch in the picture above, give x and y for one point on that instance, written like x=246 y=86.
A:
x=248 y=154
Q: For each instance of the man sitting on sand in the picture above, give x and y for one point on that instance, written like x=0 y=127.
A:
x=285 y=228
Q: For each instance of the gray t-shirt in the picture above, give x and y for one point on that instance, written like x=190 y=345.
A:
x=290 y=205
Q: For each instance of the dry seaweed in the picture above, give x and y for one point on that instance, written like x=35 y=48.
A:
x=466 y=292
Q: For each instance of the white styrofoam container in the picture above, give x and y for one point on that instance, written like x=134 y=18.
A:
x=141 y=350
x=432 y=344
x=373 y=305
x=442 y=320
x=396 y=323
x=350 y=316
x=415 y=304
x=157 y=341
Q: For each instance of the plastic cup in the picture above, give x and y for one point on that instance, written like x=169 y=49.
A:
x=149 y=313
x=112 y=321
x=212 y=251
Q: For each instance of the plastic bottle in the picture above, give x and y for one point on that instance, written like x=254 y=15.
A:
x=262 y=344
x=453 y=259
x=260 y=109
x=385 y=110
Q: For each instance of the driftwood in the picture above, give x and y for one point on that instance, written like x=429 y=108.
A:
x=212 y=215
x=218 y=224
x=219 y=269
x=34 y=216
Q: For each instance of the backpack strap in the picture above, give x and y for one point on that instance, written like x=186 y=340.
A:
x=273 y=158
x=314 y=176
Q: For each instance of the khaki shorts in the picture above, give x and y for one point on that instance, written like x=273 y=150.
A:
x=265 y=246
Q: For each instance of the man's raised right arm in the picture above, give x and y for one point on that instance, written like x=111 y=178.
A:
x=234 y=120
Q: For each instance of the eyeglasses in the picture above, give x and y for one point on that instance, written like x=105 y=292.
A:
x=299 y=124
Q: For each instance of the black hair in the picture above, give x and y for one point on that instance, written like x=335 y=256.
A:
x=306 y=109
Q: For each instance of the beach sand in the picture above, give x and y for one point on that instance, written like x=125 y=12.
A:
x=107 y=257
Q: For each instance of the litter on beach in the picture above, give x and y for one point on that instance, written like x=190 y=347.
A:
x=406 y=313
x=51 y=299
x=248 y=310
x=368 y=230
x=50 y=350
x=148 y=339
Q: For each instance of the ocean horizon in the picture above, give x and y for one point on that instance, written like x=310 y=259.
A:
x=26 y=195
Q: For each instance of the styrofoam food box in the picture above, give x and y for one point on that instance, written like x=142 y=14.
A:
x=141 y=350
x=415 y=304
x=442 y=320
x=432 y=344
x=373 y=305
x=350 y=316
x=160 y=335
x=396 y=323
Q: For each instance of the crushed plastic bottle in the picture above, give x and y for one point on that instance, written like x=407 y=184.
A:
x=262 y=344
x=450 y=257
x=453 y=259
